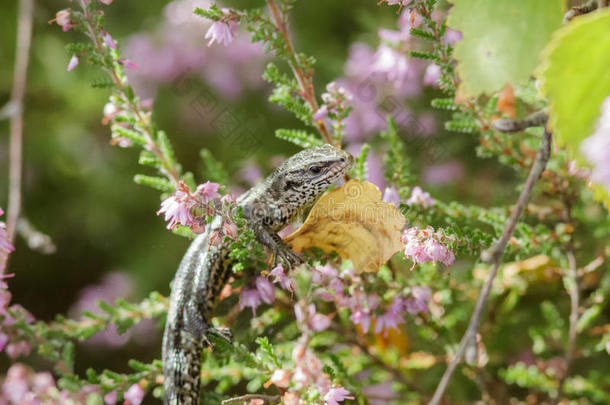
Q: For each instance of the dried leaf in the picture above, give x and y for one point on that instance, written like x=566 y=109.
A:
x=353 y=221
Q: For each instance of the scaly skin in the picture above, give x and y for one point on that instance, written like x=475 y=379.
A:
x=268 y=207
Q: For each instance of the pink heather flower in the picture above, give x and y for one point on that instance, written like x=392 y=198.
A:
x=228 y=199
x=14 y=350
x=596 y=148
x=418 y=300
x=73 y=62
x=281 y=378
x=15 y=386
x=392 y=63
x=3 y=340
x=176 y=210
x=279 y=275
x=424 y=246
x=43 y=382
x=106 y=2
x=316 y=322
x=110 y=398
x=292 y=398
x=108 y=40
x=583 y=173
x=62 y=18
x=128 y=63
x=265 y=289
x=135 y=395
x=221 y=33
x=362 y=307
x=420 y=197
x=336 y=395
x=208 y=190
x=432 y=74
x=250 y=297
x=229 y=229
x=321 y=113
x=390 y=195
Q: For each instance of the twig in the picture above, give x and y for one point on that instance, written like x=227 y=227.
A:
x=495 y=254
x=307 y=90
x=584 y=8
x=22 y=52
x=269 y=399
x=536 y=119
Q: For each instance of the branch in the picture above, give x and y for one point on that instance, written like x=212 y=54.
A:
x=268 y=399
x=24 y=36
x=495 y=254
x=536 y=119
x=305 y=83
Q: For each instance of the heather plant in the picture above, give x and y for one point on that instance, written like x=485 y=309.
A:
x=500 y=292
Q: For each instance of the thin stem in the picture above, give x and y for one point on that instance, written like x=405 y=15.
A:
x=22 y=52
x=495 y=254
x=268 y=399
x=306 y=85
x=170 y=171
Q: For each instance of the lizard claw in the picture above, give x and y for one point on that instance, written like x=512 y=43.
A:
x=290 y=258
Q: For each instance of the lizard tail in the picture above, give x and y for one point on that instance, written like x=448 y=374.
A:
x=182 y=376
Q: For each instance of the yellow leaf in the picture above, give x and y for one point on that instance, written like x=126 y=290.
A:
x=353 y=221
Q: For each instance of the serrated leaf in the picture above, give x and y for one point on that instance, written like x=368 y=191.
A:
x=501 y=40
x=298 y=137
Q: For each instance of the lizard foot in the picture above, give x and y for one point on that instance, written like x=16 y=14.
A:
x=224 y=333
x=290 y=258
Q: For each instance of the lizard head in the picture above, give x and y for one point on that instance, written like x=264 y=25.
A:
x=306 y=175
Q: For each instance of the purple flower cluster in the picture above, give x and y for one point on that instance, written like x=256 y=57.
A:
x=425 y=245
x=346 y=290
x=263 y=290
x=334 y=99
x=12 y=340
x=307 y=373
x=190 y=209
x=175 y=51
x=420 y=197
x=5 y=245
x=23 y=386
x=596 y=148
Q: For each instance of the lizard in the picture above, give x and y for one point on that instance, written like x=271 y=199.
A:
x=269 y=206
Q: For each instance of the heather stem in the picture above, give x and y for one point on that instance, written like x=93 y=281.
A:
x=307 y=90
x=24 y=36
x=495 y=254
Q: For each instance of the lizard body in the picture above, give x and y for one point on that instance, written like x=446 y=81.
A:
x=268 y=207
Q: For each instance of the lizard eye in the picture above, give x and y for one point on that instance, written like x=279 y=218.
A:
x=315 y=169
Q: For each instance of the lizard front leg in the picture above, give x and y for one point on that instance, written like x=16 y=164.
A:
x=267 y=237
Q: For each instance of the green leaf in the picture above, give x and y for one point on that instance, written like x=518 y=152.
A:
x=577 y=82
x=159 y=183
x=214 y=169
x=502 y=40
x=298 y=137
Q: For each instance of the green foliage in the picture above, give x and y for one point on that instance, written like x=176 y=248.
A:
x=299 y=137
x=502 y=40
x=361 y=167
x=214 y=169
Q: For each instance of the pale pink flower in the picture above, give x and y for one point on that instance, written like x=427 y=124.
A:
x=128 y=63
x=221 y=33
x=62 y=18
x=393 y=63
x=43 y=382
x=279 y=275
x=250 y=297
x=265 y=289
x=292 y=398
x=208 y=190
x=390 y=195
x=229 y=229
x=176 y=210
x=336 y=395
x=420 y=197
x=362 y=308
x=106 y=2
x=3 y=340
x=314 y=321
x=320 y=113
x=107 y=38
x=135 y=395
x=432 y=74
x=281 y=378
x=228 y=199
x=110 y=398
x=73 y=62
x=424 y=245
x=596 y=148
x=418 y=300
